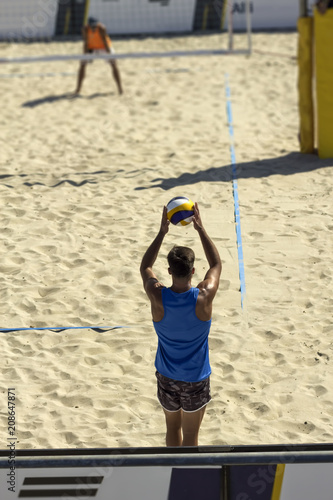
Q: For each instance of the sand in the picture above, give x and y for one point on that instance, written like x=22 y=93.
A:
x=83 y=182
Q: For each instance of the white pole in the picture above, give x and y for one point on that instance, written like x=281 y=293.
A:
x=248 y=25
x=230 y=25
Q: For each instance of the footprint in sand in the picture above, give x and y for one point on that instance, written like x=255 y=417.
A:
x=319 y=390
x=48 y=290
x=256 y=235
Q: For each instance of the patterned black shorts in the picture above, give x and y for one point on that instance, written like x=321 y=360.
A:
x=188 y=396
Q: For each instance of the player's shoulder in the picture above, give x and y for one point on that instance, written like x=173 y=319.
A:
x=202 y=291
x=202 y=286
x=154 y=289
x=152 y=283
x=207 y=289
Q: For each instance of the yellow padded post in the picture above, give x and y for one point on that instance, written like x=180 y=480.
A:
x=323 y=29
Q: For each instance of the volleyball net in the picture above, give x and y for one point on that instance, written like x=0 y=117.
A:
x=46 y=20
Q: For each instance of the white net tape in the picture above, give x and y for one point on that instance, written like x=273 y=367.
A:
x=134 y=55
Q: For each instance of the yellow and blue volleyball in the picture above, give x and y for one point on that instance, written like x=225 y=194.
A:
x=180 y=211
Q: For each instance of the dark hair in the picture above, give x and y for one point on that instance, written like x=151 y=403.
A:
x=181 y=260
x=92 y=21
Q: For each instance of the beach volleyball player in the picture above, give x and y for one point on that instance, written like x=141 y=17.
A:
x=182 y=318
x=95 y=39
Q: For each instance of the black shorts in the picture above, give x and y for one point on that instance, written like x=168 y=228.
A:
x=188 y=396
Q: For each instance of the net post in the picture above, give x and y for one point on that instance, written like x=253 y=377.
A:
x=86 y=12
x=249 y=25
x=230 y=26
x=303 y=8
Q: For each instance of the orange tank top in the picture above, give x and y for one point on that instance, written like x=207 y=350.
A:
x=95 y=40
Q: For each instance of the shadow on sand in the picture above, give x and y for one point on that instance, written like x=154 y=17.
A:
x=69 y=96
x=90 y=180
x=292 y=163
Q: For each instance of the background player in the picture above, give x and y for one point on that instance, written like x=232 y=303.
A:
x=95 y=39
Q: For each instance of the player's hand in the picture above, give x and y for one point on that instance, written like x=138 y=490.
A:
x=164 y=222
x=197 y=222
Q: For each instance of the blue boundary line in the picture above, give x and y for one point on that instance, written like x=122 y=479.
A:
x=99 y=329
x=235 y=190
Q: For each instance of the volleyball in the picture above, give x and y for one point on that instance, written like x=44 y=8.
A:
x=180 y=211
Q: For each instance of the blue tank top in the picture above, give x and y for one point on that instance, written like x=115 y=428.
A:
x=182 y=351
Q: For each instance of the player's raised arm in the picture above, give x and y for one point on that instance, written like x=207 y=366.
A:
x=150 y=256
x=212 y=277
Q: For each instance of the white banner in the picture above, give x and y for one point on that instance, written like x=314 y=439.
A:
x=144 y=16
x=100 y=483
x=266 y=14
x=309 y=481
x=27 y=19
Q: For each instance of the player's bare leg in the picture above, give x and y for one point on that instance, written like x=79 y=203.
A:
x=173 y=420
x=81 y=76
x=191 y=422
x=116 y=76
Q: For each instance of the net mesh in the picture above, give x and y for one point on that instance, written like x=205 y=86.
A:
x=36 y=19
x=47 y=20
